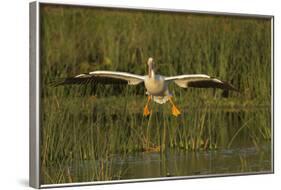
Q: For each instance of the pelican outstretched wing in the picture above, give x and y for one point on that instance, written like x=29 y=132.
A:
x=103 y=77
x=200 y=81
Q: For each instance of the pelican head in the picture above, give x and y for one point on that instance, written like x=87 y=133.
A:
x=150 y=66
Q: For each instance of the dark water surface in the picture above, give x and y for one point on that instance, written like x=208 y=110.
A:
x=188 y=163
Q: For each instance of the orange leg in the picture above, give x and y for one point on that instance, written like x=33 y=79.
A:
x=146 y=111
x=175 y=110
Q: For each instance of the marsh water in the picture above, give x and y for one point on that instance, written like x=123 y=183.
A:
x=182 y=163
x=242 y=150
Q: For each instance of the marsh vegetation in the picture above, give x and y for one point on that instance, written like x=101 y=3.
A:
x=93 y=133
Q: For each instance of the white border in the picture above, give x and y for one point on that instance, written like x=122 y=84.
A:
x=34 y=101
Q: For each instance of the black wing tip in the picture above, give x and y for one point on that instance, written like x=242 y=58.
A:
x=63 y=81
x=86 y=78
x=229 y=86
x=77 y=79
x=57 y=82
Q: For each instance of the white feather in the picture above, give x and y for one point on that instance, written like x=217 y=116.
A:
x=160 y=99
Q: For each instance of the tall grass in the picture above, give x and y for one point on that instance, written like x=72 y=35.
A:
x=86 y=123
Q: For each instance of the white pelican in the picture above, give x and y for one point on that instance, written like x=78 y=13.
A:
x=156 y=85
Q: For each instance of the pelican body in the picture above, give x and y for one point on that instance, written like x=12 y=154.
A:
x=156 y=85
